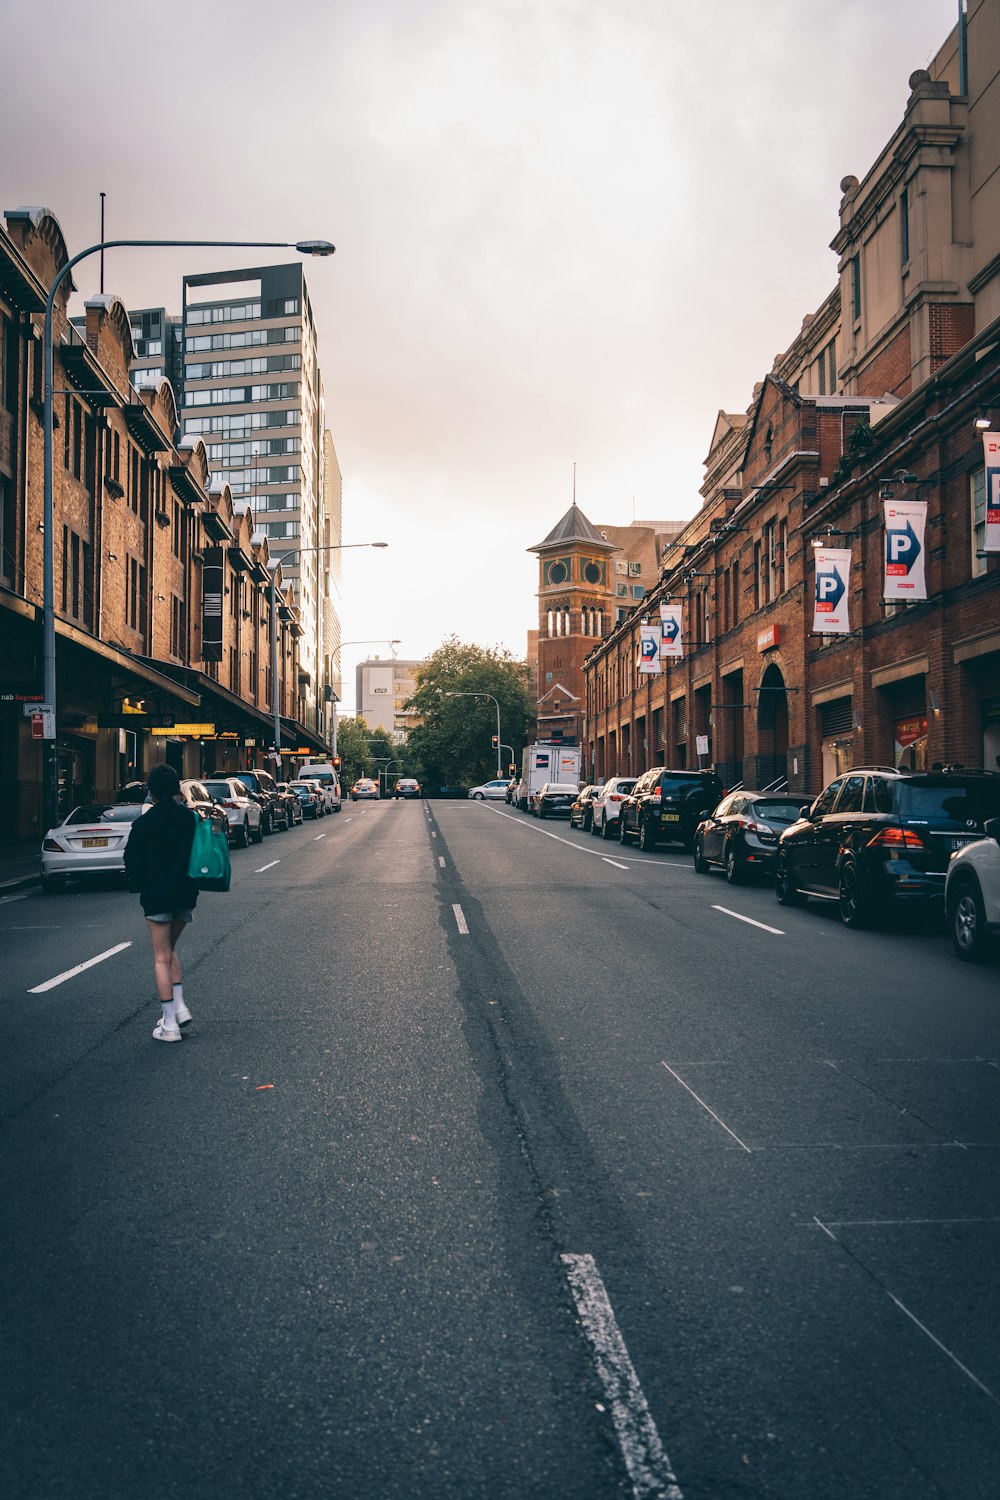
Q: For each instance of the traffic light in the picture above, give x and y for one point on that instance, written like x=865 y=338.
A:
x=512 y=770
x=336 y=762
x=496 y=741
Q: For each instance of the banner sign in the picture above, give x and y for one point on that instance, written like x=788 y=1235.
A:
x=905 y=578
x=991 y=445
x=831 y=609
x=671 y=630
x=211 y=605
x=648 y=660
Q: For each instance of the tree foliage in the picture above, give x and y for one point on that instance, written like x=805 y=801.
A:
x=354 y=751
x=453 y=743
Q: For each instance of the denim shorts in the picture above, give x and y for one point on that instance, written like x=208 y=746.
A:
x=170 y=916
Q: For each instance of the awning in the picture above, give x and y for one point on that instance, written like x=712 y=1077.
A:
x=227 y=710
x=143 y=426
x=18 y=282
x=186 y=486
x=294 y=730
x=88 y=376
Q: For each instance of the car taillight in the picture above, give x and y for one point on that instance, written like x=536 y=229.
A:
x=656 y=796
x=230 y=803
x=897 y=838
x=614 y=797
x=52 y=847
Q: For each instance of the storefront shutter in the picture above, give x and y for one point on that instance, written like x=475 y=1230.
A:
x=836 y=717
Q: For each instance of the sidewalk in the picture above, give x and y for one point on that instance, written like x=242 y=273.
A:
x=19 y=864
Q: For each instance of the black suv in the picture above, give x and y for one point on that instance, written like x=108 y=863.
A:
x=667 y=806
x=876 y=836
x=264 y=789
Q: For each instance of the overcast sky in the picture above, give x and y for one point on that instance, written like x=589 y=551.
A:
x=567 y=231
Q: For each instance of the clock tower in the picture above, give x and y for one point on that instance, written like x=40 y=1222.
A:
x=575 y=610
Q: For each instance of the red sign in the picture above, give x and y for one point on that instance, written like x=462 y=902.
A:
x=37 y=726
x=769 y=638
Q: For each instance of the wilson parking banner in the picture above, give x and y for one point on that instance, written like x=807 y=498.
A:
x=671 y=630
x=831 y=608
x=905 y=578
x=649 y=648
x=991 y=448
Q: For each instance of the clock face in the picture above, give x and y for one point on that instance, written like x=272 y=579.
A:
x=593 y=573
x=557 y=572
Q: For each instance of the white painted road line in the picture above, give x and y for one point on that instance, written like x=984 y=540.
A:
x=580 y=849
x=917 y=1323
x=50 y=984
x=614 y=862
x=778 y=931
x=647 y=1463
x=21 y=896
x=441 y=860
x=705 y=1107
x=318 y=837
x=462 y=924
x=267 y=867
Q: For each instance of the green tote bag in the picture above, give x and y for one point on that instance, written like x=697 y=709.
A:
x=209 y=865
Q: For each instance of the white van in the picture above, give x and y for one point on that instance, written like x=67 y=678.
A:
x=325 y=775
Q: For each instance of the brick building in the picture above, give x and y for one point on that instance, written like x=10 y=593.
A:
x=876 y=400
x=139 y=525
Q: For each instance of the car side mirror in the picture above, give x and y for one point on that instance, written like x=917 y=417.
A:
x=991 y=828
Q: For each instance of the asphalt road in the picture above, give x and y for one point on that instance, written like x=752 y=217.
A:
x=498 y=1161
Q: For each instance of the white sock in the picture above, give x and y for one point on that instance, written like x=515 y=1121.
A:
x=169 y=1013
x=178 y=992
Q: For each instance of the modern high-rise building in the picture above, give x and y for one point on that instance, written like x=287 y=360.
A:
x=383 y=688
x=251 y=389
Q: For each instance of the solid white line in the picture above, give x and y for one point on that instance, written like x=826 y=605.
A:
x=441 y=860
x=614 y=862
x=647 y=1463
x=925 y=1330
x=319 y=836
x=21 y=896
x=580 y=849
x=704 y=1106
x=893 y=1223
x=462 y=924
x=50 y=984
x=778 y=931
x=267 y=867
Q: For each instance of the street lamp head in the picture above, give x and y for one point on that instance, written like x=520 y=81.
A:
x=314 y=247
x=379 y=544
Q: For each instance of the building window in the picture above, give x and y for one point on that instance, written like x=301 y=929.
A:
x=831 y=356
x=856 y=287
x=135 y=596
x=904 y=227
x=638 y=591
x=977 y=506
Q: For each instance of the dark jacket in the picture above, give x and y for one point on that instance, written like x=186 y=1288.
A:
x=157 y=855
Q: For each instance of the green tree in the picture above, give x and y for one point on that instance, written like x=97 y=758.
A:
x=353 y=748
x=453 y=743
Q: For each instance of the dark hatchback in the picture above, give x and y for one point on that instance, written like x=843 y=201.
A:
x=742 y=834
x=875 y=837
x=665 y=807
x=555 y=799
x=581 y=813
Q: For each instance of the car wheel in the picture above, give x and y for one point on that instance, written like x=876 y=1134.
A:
x=855 y=907
x=244 y=837
x=258 y=837
x=606 y=829
x=478 y=797
x=785 y=889
x=734 y=869
x=967 y=921
x=700 y=862
x=647 y=838
x=541 y=813
x=622 y=831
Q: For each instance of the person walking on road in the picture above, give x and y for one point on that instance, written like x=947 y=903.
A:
x=156 y=862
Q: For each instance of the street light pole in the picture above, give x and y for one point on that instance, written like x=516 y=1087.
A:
x=275 y=562
x=484 y=695
x=50 y=788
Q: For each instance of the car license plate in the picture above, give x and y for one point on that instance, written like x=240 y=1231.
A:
x=670 y=817
x=94 y=843
x=955 y=844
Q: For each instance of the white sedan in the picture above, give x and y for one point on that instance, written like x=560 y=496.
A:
x=972 y=894
x=491 y=791
x=90 y=841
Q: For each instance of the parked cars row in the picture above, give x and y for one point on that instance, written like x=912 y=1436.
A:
x=245 y=806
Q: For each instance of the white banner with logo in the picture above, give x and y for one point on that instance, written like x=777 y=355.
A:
x=991 y=446
x=671 y=630
x=648 y=658
x=905 y=578
x=831 y=608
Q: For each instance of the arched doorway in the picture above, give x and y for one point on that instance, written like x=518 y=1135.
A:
x=772 y=729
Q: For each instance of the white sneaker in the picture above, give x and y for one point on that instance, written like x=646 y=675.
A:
x=164 y=1033
x=184 y=1016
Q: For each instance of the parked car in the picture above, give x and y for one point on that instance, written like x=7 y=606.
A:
x=366 y=788
x=607 y=805
x=491 y=791
x=875 y=837
x=324 y=774
x=311 y=795
x=666 y=806
x=972 y=894
x=408 y=787
x=261 y=785
x=582 y=811
x=90 y=840
x=200 y=800
x=292 y=801
x=742 y=834
x=246 y=817
x=554 y=799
